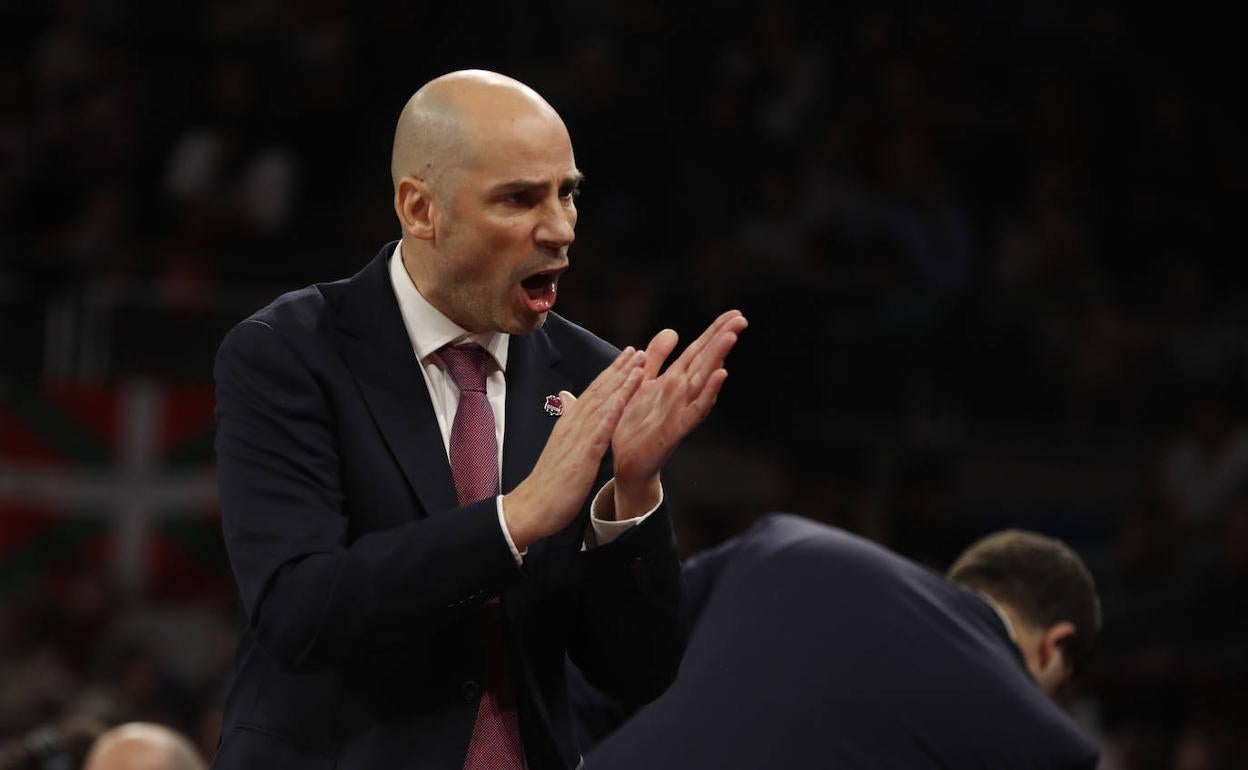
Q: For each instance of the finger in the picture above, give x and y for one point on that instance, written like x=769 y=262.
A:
x=599 y=392
x=597 y=431
x=701 y=406
x=712 y=357
x=589 y=398
x=620 y=400
x=658 y=350
x=715 y=348
x=696 y=347
x=577 y=443
x=619 y=365
x=569 y=403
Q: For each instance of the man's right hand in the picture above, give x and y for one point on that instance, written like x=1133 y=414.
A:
x=549 y=499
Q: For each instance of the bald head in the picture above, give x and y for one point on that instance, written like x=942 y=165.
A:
x=443 y=123
x=143 y=746
x=484 y=187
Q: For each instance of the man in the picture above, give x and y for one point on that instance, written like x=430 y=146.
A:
x=815 y=648
x=143 y=746
x=401 y=612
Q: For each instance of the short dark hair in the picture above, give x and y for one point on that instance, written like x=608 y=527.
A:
x=1040 y=578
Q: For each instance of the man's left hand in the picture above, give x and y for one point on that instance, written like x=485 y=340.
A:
x=666 y=408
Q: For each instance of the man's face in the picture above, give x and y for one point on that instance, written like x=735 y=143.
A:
x=506 y=224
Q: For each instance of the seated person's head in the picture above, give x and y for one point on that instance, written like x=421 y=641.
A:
x=1047 y=593
x=143 y=746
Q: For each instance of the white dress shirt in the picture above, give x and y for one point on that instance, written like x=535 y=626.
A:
x=429 y=330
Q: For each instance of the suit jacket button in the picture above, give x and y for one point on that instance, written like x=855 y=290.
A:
x=471 y=690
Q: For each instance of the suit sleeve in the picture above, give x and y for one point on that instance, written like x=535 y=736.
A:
x=629 y=639
x=595 y=714
x=315 y=597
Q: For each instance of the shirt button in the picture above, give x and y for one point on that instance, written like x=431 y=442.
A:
x=471 y=690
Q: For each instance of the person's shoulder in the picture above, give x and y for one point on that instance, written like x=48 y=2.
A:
x=294 y=309
x=295 y=316
x=298 y=319
x=774 y=523
x=785 y=529
x=808 y=549
x=266 y=338
x=309 y=310
x=310 y=305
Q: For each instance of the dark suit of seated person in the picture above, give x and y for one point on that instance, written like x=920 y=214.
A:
x=811 y=647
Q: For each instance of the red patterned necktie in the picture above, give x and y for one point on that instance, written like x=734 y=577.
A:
x=495 y=742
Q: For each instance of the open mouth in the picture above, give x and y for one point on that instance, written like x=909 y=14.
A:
x=537 y=283
x=539 y=290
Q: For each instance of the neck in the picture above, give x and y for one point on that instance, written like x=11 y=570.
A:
x=413 y=258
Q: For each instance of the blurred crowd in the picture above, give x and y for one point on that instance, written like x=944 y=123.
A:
x=985 y=253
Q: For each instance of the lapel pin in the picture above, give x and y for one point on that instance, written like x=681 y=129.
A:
x=554 y=406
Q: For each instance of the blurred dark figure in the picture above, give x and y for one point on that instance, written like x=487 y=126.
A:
x=923 y=524
x=58 y=746
x=143 y=746
x=1174 y=692
x=1205 y=467
x=812 y=647
x=1214 y=737
x=130 y=684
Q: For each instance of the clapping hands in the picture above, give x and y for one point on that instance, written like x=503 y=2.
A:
x=641 y=414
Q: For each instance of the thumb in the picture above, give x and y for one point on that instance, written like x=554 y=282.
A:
x=568 y=400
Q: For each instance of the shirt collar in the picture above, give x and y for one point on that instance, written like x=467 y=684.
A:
x=1005 y=619
x=430 y=330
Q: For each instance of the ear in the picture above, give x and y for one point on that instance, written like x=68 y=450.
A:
x=1052 y=667
x=415 y=207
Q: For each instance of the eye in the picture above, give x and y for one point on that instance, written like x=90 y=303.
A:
x=570 y=193
x=521 y=198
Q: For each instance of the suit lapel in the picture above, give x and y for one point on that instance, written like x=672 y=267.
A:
x=380 y=357
x=530 y=378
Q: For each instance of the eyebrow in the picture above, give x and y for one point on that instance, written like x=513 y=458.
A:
x=523 y=185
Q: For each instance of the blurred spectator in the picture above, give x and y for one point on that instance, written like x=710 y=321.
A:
x=56 y=746
x=226 y=177
x=1206 y=466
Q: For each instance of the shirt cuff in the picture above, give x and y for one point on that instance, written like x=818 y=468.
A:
x=603 y=531
x=502 y=524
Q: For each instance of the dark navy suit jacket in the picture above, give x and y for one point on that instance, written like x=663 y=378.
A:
x=815 y=648
x=362 y=578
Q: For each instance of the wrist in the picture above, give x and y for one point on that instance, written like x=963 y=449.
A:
x=518 y=520
x=636 y=497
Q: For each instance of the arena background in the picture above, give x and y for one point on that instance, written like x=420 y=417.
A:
x=990 y=257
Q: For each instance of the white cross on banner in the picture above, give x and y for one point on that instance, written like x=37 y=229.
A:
x=134 y=458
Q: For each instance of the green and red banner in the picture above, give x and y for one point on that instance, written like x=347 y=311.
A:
x=113 y=483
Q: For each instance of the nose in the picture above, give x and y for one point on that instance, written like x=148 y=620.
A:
x=557 y=227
